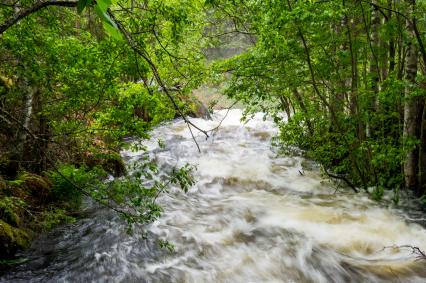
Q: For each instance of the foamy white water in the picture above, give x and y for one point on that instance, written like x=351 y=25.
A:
x=251 y=217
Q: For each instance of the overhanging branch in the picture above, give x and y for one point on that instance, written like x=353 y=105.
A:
x=9 y=22
x=141 y=52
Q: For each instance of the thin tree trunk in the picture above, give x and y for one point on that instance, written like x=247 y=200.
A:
x=285 y=106
x=39 y=153
x=374 y=66
x=302 y=106
x=22 y=133
x=411 y=123
x=337 y=100
x=391 y=41
x=422 y=154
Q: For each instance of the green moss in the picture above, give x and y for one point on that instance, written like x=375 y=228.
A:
x=196 y=108
x=37 y=185
x=12 y=239
x=53 y=218
x=11 y=209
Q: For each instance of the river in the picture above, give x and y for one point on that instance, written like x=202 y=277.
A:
x=252 y=216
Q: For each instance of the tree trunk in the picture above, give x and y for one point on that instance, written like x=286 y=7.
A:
x=375 y=46
x=374 y=68
x=285 y=105
x=302 y=106
x=22 y=131
x=391 y=41
x=411 y=123
x=39 y=152
x=422 y=154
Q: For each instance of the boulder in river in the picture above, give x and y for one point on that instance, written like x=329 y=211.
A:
x=198 y=109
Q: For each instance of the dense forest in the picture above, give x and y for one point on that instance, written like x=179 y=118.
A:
x=344 y=81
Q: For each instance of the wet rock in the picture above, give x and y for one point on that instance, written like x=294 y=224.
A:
x=115 y=166
x=263 y=136
x=249 y=216
x=199 y=110
x=8 y=168
x=247 y=183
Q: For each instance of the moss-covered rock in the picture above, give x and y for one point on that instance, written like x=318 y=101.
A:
x=108 y=160
x=200 y=110
x=38 y=186
x=11 y=209
x=114 y=165
x=197 y=109
x=12 y=239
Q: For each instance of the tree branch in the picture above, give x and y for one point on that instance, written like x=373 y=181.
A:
x=341 y=177
x=13 y=19
x=141 y=52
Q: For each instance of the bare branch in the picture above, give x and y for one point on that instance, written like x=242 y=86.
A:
x=224 y=117
x=341 y=177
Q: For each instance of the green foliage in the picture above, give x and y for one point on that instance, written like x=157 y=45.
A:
x=166 y=245
x=101 y=8
x=182 y=177
x=137 y=110
x=69 y=183
x=10 y=210
x=134 y=196
x=89 y=93
x=315 y=60
x=211 y=105
x=54 y=217
x=17 y=182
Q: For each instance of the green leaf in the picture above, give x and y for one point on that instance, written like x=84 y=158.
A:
x=104 y=16
x=103 y=5
x=209 y=2
x=109 y=25
x=82 y=4
x=113 y=31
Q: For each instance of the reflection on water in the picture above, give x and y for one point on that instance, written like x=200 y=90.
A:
x=251 y=217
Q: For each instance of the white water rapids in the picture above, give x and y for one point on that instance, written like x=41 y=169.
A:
x=252 y=216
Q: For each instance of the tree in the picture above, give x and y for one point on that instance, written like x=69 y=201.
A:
x=349 y=119
x=72 y=91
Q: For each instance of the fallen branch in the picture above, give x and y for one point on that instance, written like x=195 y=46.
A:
x=420 y=255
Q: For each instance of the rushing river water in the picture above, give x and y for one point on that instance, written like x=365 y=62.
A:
x=252 y=216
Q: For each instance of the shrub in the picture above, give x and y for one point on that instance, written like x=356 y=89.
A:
x=69 y=183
